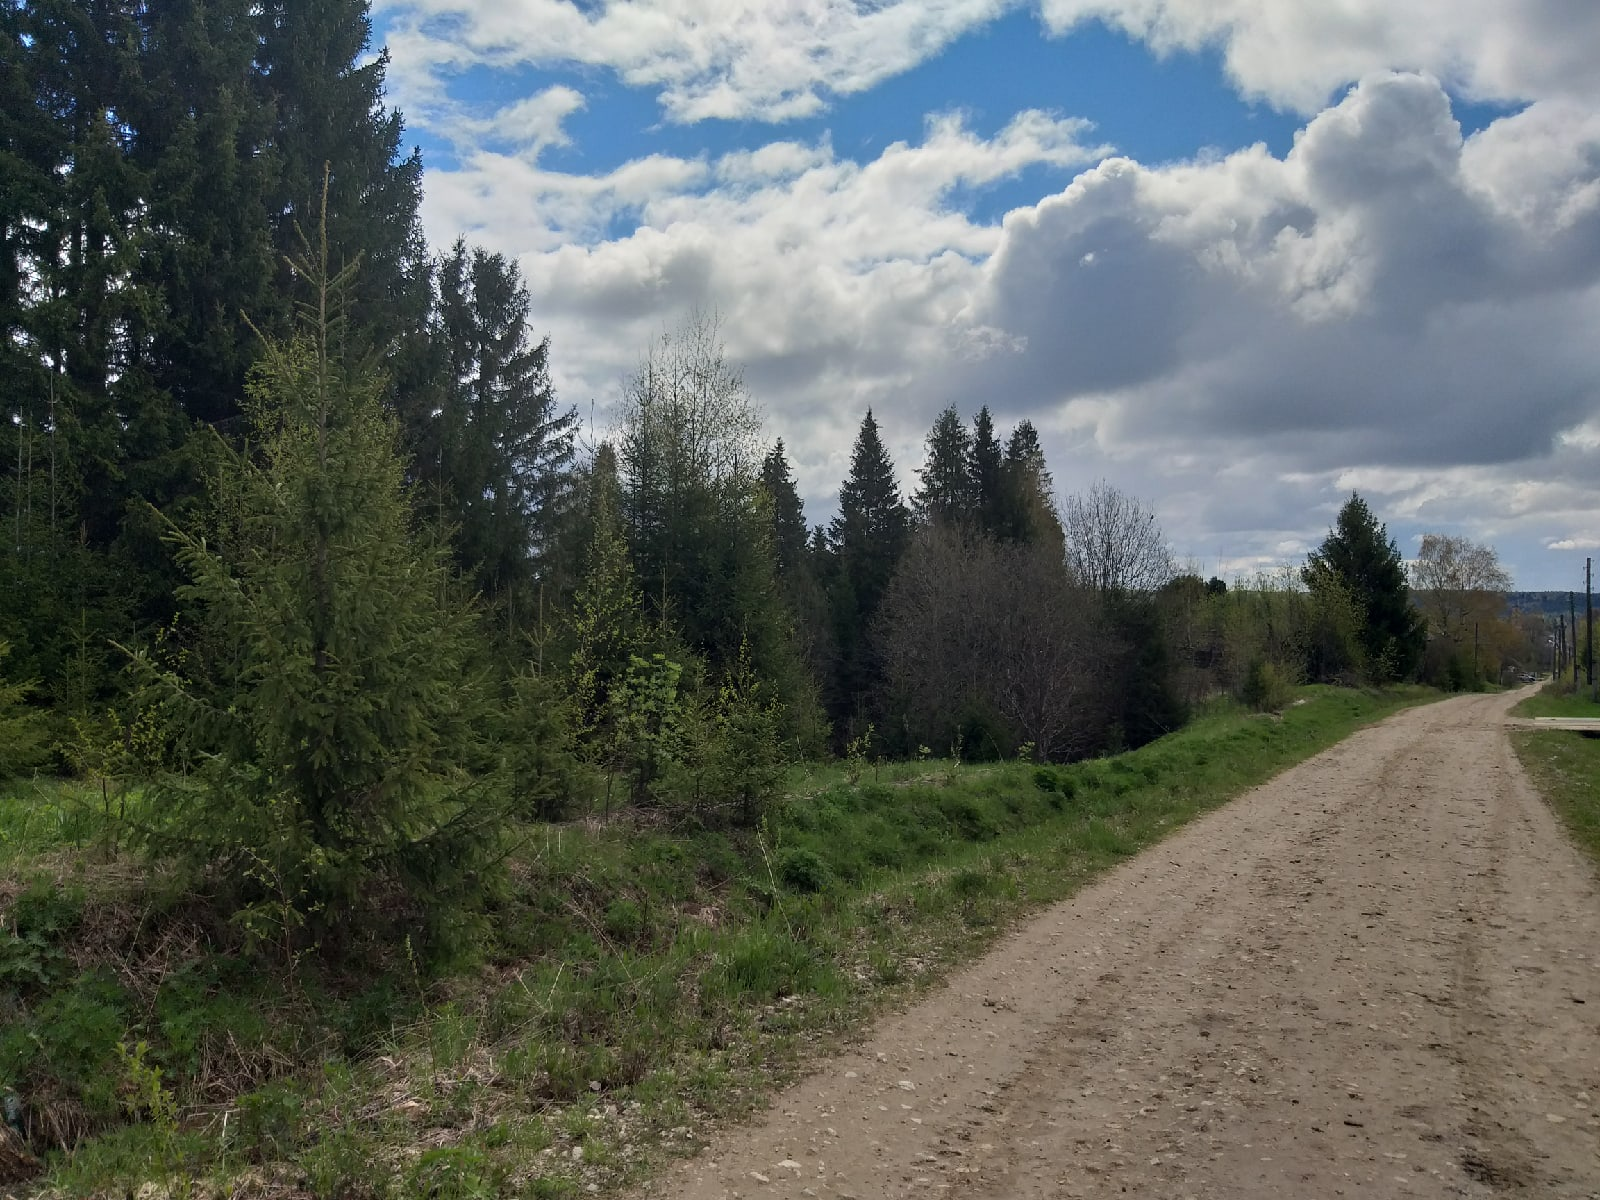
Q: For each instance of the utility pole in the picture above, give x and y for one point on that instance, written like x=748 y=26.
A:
x=1588 y=613
x=1572 y=624
x=1475 y=680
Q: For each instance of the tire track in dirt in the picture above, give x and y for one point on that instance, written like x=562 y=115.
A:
x=1374 y=976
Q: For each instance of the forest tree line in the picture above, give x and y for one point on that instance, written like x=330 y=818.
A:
x=297 y=526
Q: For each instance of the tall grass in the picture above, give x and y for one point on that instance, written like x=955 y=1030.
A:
x=630 y=986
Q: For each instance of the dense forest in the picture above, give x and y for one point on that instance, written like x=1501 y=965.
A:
x=294 y=511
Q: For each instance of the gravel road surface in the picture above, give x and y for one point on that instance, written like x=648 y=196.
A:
x=1375 y=976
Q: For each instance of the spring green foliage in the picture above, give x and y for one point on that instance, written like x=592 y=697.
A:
x=611 y=984
x=333 y=712
x=292 y=814
x=1265 y=688
x=22 y=731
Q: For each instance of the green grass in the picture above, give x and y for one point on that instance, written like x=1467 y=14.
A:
x=1565 y=767
x=631 y=988
x=1552 y=701
x=40 y=816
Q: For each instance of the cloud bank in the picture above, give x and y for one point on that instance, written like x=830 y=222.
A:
x=1242 y=339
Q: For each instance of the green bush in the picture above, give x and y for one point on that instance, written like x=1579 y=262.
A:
x=1267 y=687
x=74 y=1037
x=31 y=957
x=455 y=1173
x=801 y=870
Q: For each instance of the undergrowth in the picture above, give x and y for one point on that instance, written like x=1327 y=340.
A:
x=630 y=986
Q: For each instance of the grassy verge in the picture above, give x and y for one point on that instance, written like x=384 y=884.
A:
x=1565 y=767
x=1553 y=701
x=633 y=986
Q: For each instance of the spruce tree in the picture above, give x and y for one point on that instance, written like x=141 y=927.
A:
x=1360 y=564
x=1027 y=510
x=200 y=126
x=945 y=495
x=493 y=449
x=335 y=706
x=986 y=470
x=867 y=539
x=693 y=503
x=22 y=731
x=326 y=91
x=86 y=422
x=789 y=532
x=605 y=625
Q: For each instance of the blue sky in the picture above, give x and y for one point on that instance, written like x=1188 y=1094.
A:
x=1237 y=257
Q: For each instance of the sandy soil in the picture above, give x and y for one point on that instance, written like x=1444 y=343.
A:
x=1376 y=976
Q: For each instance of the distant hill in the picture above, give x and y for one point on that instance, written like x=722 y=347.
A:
x=1549 y=603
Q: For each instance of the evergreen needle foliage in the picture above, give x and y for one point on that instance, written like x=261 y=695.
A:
x=22 y=733
x=329 y=689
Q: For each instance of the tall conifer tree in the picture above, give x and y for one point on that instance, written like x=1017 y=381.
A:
x=985 y=467
x=945 y=495
x=867 y=539
x=1358 y=563
x=492 y=446
x=789 y=533
x=200 y=127
x=338 y=711
x=1027 y=511
x=327 y=94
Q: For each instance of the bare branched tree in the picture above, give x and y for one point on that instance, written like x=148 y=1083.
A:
x=1113 y=541
x=1456 y=582
x=972 y=626
x=687 y=418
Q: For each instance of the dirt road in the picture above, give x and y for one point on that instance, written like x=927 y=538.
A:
x=1377 y=976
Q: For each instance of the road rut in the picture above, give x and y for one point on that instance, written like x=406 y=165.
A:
x=1374 y=976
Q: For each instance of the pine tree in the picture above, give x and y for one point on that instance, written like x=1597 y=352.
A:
x=946 y=495
x=867 y=539
x=985 y=467
x=336 y=707
x=1360 y=566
